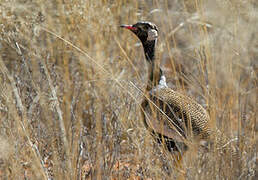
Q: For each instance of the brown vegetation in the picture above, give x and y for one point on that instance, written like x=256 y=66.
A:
x=71 y=86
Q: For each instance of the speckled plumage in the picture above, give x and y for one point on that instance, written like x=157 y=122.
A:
x=176 y=116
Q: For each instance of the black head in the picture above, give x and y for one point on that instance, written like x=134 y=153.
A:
x=146 y=31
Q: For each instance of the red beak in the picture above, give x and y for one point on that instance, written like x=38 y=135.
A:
x=130 y=27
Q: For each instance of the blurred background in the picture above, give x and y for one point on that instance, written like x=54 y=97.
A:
x=71 y=83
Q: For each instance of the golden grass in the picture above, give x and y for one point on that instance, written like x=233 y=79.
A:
x=72 y=81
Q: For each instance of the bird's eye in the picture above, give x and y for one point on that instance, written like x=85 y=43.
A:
x=146 y=27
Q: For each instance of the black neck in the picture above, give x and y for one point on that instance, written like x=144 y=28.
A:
x=149 y=50
x=155 y=72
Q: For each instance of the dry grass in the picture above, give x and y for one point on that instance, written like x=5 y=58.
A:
x=71 y=80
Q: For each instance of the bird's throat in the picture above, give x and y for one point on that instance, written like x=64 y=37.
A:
x=154 y=70
x=149 y=50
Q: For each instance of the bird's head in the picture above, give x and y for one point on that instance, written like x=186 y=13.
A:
x=145 y=31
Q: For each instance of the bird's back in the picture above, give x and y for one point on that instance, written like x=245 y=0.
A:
x=176 y=115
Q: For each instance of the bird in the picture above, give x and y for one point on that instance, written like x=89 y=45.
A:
x=174 y=119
